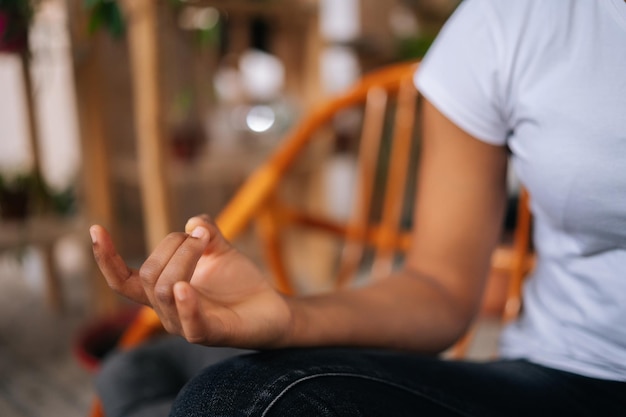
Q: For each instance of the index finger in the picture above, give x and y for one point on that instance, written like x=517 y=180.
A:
x=118 y=275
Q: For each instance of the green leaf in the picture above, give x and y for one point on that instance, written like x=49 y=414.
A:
x=106 y=14
x=95 y=19
x=91 y=3
x=208 y=37
x=114 y=20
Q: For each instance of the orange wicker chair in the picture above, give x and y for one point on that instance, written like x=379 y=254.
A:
x=389 y=101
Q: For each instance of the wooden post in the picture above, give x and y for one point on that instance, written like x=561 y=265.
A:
x=96 y=187
x=142 y=35
x=313 y=48
x=98 y=190
x=53 y=281
x=96 y=154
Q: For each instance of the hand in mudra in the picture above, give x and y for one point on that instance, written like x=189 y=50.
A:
x=201 y=287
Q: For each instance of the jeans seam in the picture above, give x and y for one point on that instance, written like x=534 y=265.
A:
x=352 y=375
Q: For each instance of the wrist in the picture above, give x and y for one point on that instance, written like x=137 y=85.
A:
x=292 y=334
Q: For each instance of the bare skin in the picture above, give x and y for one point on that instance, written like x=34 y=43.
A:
x=208 y=292
x=200 y=286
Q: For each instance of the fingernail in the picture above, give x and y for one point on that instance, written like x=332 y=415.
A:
x=92 y=233
x=198 y=232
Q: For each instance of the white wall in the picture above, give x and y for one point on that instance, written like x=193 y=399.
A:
x=14 y=151
x=54 y=95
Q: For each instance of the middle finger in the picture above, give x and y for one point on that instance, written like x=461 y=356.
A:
x=180 y=267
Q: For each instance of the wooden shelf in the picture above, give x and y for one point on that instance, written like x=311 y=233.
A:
x=42 y=232
x=38 y=230
x=285 y=8
x=211 y=168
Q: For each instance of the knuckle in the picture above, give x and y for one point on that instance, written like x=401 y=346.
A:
x=186 y=248
x=164 y=294
x=102 y=256
x=192 y=248
x=149 y=272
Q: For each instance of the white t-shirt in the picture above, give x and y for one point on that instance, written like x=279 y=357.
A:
x=548 y=78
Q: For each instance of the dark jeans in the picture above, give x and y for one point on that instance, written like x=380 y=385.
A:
x=143 y=382
x=359 y=382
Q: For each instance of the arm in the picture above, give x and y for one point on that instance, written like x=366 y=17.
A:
x=205 y=290
x=427 y=305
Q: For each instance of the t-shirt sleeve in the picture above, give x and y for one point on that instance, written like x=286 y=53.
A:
x=459 y=75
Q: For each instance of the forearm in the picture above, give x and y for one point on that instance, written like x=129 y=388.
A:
x=406 y=311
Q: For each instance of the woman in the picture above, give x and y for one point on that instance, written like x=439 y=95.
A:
x=543 y=80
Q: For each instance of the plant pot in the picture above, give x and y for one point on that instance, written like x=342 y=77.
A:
x=187 y=140
x=13 y=33
x=14 y=204
x=99 y=338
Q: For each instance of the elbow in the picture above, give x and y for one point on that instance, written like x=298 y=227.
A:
x=456 y=333
x=447 y=331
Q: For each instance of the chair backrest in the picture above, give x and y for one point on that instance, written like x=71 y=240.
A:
x=386 y=98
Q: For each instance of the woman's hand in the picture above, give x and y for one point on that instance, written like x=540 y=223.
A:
x=201 y=287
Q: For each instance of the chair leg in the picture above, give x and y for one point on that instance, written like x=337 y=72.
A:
x=96 y=409
x=460 y=348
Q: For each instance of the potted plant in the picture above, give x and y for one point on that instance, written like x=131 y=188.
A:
x=14 y=197
x=186 y=133
x=99 y=338
x=27 y=193
x=15 y=19
x=107 y=15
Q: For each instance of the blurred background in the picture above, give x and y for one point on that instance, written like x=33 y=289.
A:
x=227 y=80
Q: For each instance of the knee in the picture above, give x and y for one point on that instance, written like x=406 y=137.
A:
x=221 y=389
x=246 y=387
x=242 y=386
x=319 y=395
x=254 y=385
x=310 y=382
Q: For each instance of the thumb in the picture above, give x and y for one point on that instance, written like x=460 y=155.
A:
x=217 y=242
x=197 y=314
